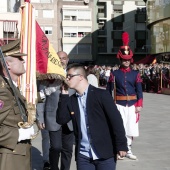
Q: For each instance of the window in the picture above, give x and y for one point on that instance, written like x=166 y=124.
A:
x=140 y=43
x=84 y=49
x=117 y=43
x=9 y=35
x=118 y=11
x=70 y=15
x=118 y=2
x=42 y=1
x=84 y=31
x=101 y=10
x=84 y=15
x=101 y=43
x=48 y=30
x=77 y=49
x=48 y=13
x=76 y=31
x=74 y=15
x=118 y=26
x=10 y=29
x=70 y=31
x=66 y=17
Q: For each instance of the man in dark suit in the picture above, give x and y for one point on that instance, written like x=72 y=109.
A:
x=98 y=126
x=61 y=137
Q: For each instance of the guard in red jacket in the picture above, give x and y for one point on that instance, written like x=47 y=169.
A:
x=128 y=93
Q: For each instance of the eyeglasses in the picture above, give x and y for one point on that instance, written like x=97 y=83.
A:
x=70 y=76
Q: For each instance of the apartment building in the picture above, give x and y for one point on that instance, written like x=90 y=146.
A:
x=68 y=25
x=75 y=20
x=88 y=30
x=10 y=20
x=114 y=17
x=46 y=16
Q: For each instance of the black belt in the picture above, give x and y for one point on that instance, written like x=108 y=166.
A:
x=25 y=141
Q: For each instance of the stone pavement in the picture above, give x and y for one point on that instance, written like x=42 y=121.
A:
x=152 y=147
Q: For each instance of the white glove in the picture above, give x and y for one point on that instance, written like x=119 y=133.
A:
x=25 y=133
x=42 y=94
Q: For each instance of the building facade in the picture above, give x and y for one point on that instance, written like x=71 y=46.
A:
x=114 y=17
x=10 y=20
x=88 y=30
x=158 y=15
x=75 y=19
x=46 y=16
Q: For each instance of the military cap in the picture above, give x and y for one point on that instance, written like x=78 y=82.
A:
x=125 y=52
x=12 y=49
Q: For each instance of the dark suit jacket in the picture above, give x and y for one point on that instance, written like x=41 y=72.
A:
x=51 y=107
x=105 y=122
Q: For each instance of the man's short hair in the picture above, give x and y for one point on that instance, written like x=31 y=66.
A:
x=79 y=67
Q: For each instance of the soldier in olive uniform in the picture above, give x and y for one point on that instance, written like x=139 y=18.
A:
x=15 y=145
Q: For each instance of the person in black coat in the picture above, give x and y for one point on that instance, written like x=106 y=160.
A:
x=97 y=123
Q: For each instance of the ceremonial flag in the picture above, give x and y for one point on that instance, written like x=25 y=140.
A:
x=41 y=61
x=48 y=62
x=154 y=61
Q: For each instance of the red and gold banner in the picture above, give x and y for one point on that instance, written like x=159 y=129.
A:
x=48 y=62
x=41 y=61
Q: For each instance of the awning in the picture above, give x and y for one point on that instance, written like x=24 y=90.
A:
x=10 y=26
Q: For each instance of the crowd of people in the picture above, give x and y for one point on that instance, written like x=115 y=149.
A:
x=154 y=76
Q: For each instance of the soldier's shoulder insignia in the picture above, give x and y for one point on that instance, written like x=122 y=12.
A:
x=2 y=84
x=1 y=104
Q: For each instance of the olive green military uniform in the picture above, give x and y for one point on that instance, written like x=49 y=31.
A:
x=14 y=155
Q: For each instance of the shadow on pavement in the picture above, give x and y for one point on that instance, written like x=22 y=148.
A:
x=37 y=161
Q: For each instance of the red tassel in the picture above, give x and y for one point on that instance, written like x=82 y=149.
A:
x=125 y=38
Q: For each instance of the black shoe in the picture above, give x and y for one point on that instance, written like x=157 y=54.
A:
x=46 y=166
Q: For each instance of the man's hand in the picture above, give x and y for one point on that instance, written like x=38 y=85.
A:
x=40 y=125
x=121 y=155
x=64 y=90
x=138 y=109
